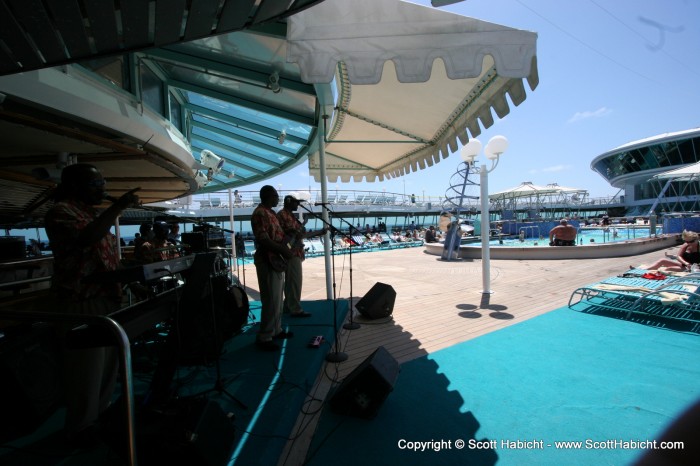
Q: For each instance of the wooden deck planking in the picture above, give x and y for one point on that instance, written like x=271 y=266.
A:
x=439 y=303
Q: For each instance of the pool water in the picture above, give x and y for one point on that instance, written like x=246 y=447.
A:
x=592 y=236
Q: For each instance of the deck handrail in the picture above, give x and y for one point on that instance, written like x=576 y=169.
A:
x=122 y=342
x=365 y=197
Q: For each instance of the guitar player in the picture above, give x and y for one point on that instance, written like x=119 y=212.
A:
x=295 y=233
x=270 y=245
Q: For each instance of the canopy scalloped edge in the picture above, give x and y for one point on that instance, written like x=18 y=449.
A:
x=475 y=115
x=364 y=34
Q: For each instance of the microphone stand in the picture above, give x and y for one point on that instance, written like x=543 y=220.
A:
x=352 y=325
x=337 y=356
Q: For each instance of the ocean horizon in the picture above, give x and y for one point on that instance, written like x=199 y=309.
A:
x=128 y=232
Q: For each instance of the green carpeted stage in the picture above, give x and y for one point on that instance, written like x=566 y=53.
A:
x=262 y=392
x=271 y=385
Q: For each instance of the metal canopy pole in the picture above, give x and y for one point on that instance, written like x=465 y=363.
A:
x=324 y=212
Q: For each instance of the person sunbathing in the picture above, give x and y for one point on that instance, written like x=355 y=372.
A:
x=688 y=255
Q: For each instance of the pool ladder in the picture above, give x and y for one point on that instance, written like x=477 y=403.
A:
x=522 y=231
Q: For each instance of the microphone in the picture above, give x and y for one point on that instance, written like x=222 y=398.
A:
x=322 y=203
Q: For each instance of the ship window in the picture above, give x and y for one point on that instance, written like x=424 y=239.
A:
x=112 y=69
x=175 y=112
x=151 y=89
x=687 y=151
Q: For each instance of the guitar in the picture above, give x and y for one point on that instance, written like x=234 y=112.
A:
x=277 y=261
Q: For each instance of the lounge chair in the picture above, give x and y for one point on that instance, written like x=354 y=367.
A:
x=616 y=293
x=672 y=297
x=315 y=247
x=359 y=240
x=249 y=247
x=389 y=242
x=679 y=299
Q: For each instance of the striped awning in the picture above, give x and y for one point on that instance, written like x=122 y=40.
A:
x=412 y=81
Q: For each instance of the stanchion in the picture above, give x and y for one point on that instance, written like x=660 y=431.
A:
x=337 y=355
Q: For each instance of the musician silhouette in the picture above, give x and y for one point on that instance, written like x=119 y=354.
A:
x=145 y=236
x=83 y=245
x=159 y=248
x=270 y=262
x=295 y=234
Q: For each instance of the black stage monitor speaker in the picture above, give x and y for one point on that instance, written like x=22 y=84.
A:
x=378 y=302
x=365 y=389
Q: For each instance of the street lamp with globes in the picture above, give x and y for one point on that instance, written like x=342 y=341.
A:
x=496 y=146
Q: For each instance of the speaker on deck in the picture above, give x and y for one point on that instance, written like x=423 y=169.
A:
x=378 y=302
x=365 y=389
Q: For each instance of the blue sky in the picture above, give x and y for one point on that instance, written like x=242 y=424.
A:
x=611 y=72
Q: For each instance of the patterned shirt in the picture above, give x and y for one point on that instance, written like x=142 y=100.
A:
x=157 y=250
x=265 y=225
x=73 y=262
x=293 y=228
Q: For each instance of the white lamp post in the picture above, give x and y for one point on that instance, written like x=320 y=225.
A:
x=494 y=148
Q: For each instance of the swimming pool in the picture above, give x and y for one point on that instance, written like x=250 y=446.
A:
x=515 y=249
x=585 y=236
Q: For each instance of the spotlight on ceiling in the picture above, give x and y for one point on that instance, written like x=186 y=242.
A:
x=282 y=137
x=201 y=179
x=212 y=162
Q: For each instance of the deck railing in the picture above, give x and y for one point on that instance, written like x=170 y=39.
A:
x=373 y=198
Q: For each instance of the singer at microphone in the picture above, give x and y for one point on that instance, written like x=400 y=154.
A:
x=83 y=244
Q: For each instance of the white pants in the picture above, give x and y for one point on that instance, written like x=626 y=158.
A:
x=271 y=284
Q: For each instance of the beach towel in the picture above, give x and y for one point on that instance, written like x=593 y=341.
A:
x=666 y=297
